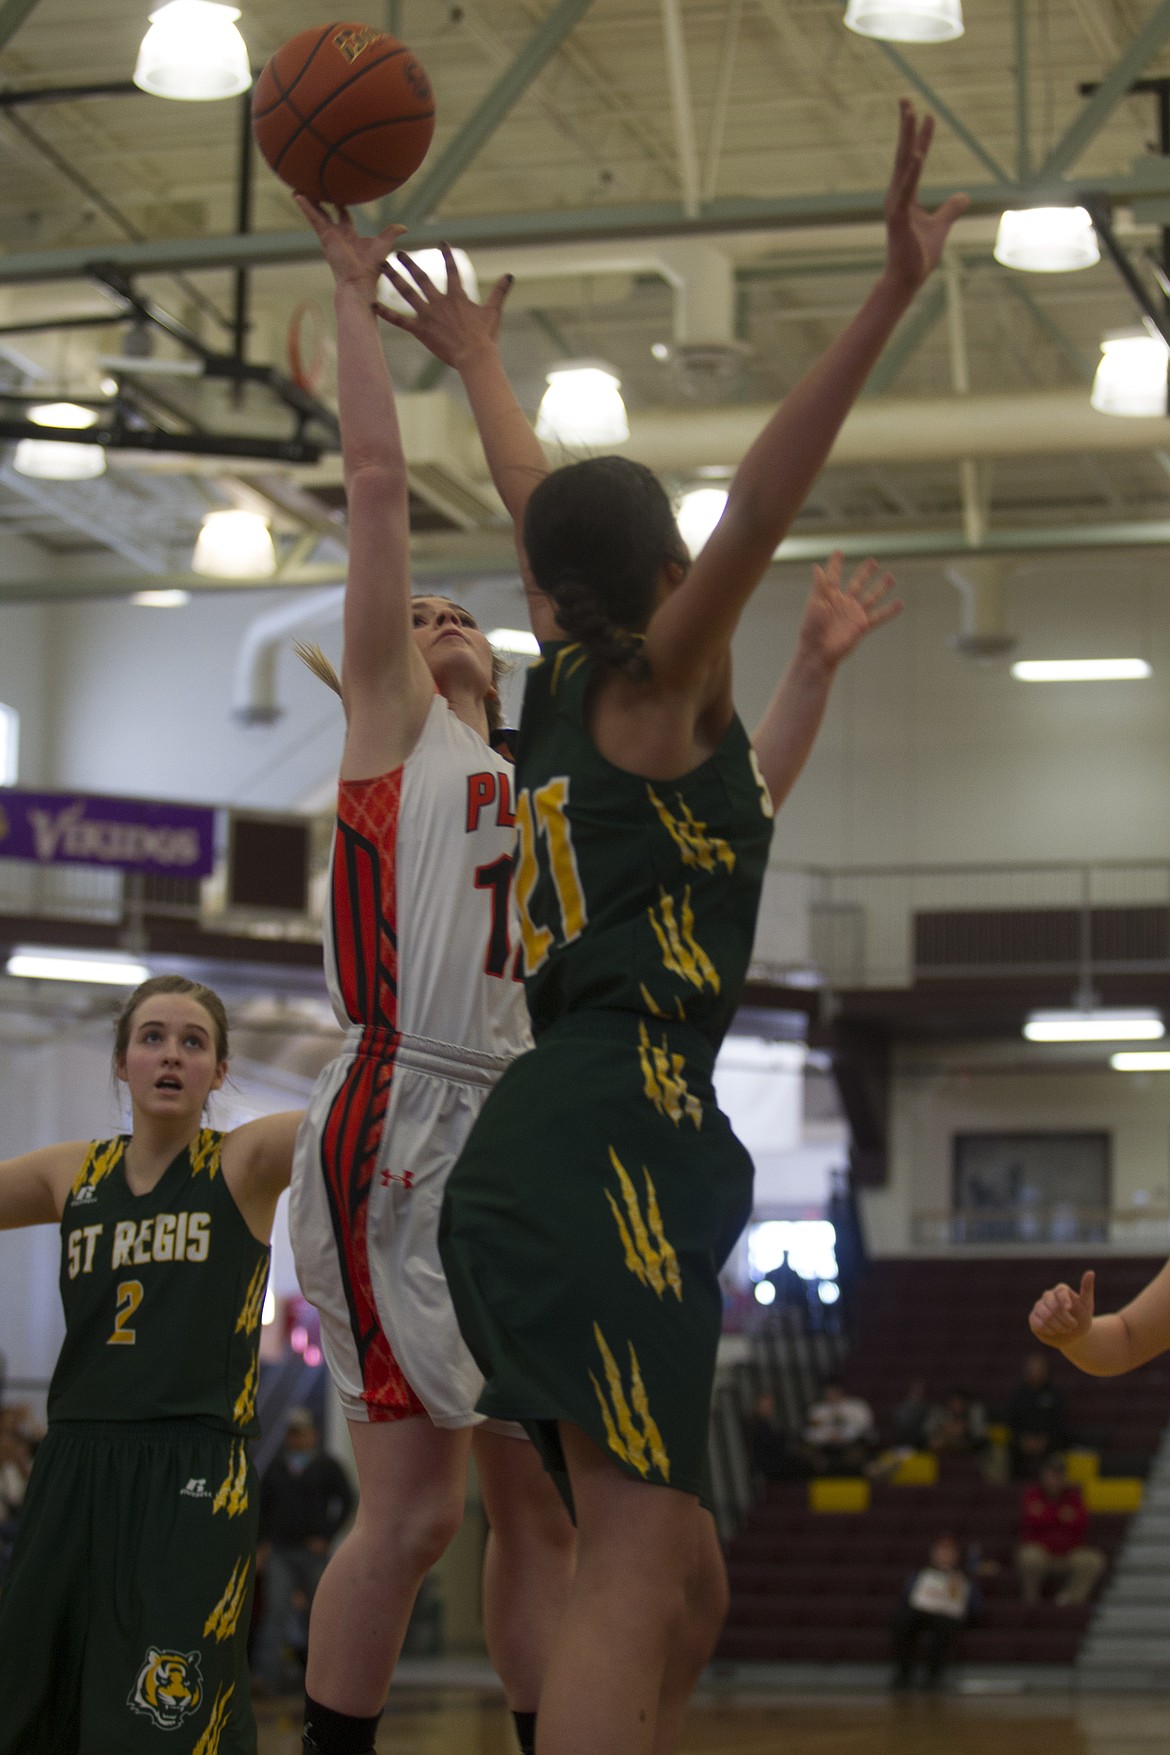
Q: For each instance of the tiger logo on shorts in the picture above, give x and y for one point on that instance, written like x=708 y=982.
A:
x=168 y=1688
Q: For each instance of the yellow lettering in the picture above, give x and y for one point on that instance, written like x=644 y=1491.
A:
x=537 y=940
x=181 y=1238
x=125 y=1232
x=550 y=811
x=198 y=1237
x=75 y=1253
x=92 y=1233
x=142 y=1242
x=164 y=1237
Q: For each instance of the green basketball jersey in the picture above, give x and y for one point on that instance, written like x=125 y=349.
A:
x=163 y=1294
x=633 y=895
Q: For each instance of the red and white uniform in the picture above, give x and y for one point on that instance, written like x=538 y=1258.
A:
x=420 y=959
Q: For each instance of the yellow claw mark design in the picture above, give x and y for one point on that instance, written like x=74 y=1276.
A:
x=651 y=1004
x=641 y=1403
x=245 y=1406
x=633 y=1441
x=690 y=836
x=225 y=1617
x=670 y=1265
x=232 y=1496
x=663 y=1082
x=682 y=953
x=650 y=1258
x=249 y=1318
x=209 y=1742
x=630 y=1439
x=558 y=664
x=102 y=1157
x=611 y=1434
x=205 y=1151
x=633 y=1260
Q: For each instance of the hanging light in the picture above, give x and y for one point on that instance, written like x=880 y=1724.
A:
x=234 y=545
x=62 y=414
x=1137 y=1024
x=1081 y=669
x=583 y=406
x=193 y=52
x=906 y=21
x=58 y=460
x=1047 y=240
x=699 y=511
x=515 y=640
x=433 y=265
x=166 y=599
x=1131 y=378
x=34 y=963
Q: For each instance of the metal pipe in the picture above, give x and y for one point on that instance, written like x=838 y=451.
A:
x=1154 y=314
x=240 y=323
x=69 y=94
x=681 y=107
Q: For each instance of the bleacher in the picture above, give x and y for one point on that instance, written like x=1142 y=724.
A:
x=822 y=1586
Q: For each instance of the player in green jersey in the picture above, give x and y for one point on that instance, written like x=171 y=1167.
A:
x=601 y=1188
x=124 y=1614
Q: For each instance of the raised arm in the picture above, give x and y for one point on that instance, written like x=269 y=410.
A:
x=1105 y=1346
x=386 y=686
x=33 y=1187
x=465 y=336
x=257 y=1165
x=834 y=623
x=689 y=634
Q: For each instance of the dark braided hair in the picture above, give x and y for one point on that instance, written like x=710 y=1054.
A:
x=596 y=534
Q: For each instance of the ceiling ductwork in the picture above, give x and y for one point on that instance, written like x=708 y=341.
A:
x=254 y=699
x=983 y=632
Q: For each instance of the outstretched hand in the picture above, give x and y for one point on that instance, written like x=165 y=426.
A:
x=1062 y=1315
x=837 y=618
x=449 y=324
x=354 y=259
x=915 y=238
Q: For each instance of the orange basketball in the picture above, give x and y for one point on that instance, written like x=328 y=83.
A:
x=343 y=113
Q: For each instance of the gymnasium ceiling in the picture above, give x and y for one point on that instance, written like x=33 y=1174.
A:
x=565 y=151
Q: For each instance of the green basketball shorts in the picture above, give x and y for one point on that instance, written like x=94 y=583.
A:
x=585 y=1224
x=124 y=1615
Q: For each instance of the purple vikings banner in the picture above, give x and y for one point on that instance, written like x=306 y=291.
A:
x=132 y=834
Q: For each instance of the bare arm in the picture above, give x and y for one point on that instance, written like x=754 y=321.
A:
x=386 y=686
x=257 y=1165
x=835 y=621
x=465 y=335
x=1105 y=1346
x=34 y=1187
x=689 y=633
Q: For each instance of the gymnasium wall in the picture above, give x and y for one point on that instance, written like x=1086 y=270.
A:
x=970 y=1088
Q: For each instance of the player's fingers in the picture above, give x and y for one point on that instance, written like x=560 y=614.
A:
x=500 y=292
x=831 y=571
x=888 y=613
x=394 y=317
x=411 y=294
x=861 y=578
x=1088 y=1286
x=879 y=589
x=419 y=275
x=316 y=216
x=389 y=235
x=455 y=286
x=953 y=208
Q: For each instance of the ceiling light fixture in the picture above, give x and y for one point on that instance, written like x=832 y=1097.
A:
x=62 y=414
x=699 y=511
x=1141 y=1060
x=434 y=266
x=1047 y=240
x=160 y=599
x=58 y=460
x=194 y=53
x=1138 y=1024
x=583 y=406
x=906 y=21
x=234 y=545
x=1080 y=669
x=34 y=963
x=1131 y=377
x=517 y=640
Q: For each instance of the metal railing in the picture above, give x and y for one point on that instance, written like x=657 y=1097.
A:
x=859 y=926
x=1060 y=1224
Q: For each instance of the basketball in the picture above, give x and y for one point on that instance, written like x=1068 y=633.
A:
x=343 y=113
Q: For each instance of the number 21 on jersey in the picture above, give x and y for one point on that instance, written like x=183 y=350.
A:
x=541 y=814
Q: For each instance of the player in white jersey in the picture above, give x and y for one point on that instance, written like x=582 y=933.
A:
x=420 y=966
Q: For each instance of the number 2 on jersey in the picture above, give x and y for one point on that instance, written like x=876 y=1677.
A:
x=543 y=812
x=129 y=1296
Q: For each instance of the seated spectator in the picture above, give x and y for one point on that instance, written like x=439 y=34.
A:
x=305 y=1497
x=938 y=1601
x=1053 y=1526
x=957 y=1426
x=908 y=1425
x=776 y=1455
x=840 y=1432
x=1035 y=1419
